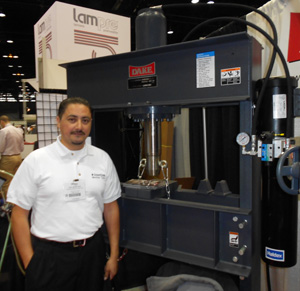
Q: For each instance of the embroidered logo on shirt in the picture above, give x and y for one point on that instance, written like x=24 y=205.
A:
x=98 y=176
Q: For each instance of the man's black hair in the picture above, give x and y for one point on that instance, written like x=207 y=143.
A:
x=72 y=100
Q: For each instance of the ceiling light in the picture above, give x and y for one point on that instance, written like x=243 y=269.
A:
x=10 y=66
x=170 y=31
x=10 y=56
x=195 y=1
x=2 y=14
x=211 y=2
x=10 y=41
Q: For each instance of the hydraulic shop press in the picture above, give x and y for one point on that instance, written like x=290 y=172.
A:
x=208 y=227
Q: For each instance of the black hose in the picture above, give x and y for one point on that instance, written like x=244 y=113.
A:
x=281 y=56
x=274 y=41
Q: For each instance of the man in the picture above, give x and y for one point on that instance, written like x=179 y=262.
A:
x=69 y=185
x=11 y=146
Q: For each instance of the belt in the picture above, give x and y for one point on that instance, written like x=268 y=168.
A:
x=69 y=244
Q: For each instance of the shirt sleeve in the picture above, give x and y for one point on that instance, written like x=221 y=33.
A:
x=112 y=184
x=2 y=141
x=22 y=143
x=22 y=190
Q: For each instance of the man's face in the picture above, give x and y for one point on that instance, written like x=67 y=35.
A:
x=75 y=126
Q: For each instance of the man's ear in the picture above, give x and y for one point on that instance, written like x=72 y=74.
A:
x=58 y=121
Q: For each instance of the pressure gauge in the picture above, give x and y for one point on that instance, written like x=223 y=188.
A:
x=242 y=138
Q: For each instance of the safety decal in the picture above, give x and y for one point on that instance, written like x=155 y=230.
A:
x=205 y=70
x=279 y=106
x=234 y=239
x=231 y=76
x=275 y=255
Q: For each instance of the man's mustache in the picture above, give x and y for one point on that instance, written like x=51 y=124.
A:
x=78 y=132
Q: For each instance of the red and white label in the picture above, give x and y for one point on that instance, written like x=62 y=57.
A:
x=142 y=70
x=234 y=239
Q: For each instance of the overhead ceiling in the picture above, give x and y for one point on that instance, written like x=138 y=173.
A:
x=23 y=14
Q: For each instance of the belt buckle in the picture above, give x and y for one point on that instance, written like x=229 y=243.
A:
x=79 y=243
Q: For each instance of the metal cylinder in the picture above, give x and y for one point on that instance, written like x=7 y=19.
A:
x=279 y=221
x=273 y=116
x=279 y=210
x=152 y=136
x=151 y=31
x=150 y=28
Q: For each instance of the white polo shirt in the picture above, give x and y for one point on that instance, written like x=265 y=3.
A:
x=66 y=190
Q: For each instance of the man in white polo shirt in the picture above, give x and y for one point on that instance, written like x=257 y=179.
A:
x=69 y=186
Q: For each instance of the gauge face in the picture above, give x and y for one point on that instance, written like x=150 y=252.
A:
x=242 y=138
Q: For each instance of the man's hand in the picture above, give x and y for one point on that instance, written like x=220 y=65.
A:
x=112 y=222
x=21 y=233
x=111 y=269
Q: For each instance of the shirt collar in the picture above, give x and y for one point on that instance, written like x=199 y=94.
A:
x=64 y=151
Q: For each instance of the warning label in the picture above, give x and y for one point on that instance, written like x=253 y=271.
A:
x=205 y=69
x=233 y=239
x=231 y=76
x=279 y=106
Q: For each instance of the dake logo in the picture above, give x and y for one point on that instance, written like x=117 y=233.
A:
x=142 y=70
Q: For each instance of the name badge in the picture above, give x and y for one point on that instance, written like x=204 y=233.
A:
x=74 y=191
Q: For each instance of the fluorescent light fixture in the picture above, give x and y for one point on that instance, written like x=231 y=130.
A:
x=211 y=2
x=170 y=31
x=2 y=14
x=195 y=1
x=10 y=41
